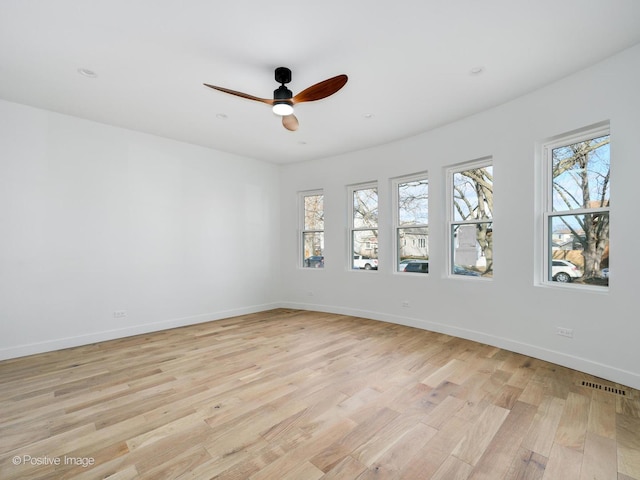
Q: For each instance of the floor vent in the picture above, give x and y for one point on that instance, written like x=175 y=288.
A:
x=597 y=386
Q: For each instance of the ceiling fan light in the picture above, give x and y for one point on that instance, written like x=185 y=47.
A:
x=283 y=108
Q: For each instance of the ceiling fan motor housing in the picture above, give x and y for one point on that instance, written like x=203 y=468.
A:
x=282 y=93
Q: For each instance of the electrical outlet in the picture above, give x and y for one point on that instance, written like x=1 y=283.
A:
x=405 y=304
x=564 y=332
x=119 y=314
x=309 y=294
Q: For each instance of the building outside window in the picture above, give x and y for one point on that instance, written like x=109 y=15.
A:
x=412 y=222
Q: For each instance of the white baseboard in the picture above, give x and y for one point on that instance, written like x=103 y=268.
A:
x=105 y=335
x=623 y=377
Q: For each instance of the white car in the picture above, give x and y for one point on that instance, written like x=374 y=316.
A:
x=564 y=271
x=364 y=262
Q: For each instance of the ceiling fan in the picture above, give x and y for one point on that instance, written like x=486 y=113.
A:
x=283 y=100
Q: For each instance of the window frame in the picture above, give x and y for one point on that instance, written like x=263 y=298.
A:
x=450 y=217
x=351 y=189
x=548 y=213
x=303 y=231
x=395 y=184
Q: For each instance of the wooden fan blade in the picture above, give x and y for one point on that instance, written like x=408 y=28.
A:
x=268 y=101
x=290 y=122
x=321 y=90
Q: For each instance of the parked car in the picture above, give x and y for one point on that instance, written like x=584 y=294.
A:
x=564 y=271
x=315 y=261
x=417 y=266
x=364 y=262
x=403 y=264
x=605 y=272
x=459 y=270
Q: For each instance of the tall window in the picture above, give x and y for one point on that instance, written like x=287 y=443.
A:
x=471 y=219
x=312 y=229
x=576 y=218
x=411 y=223
x=364 y=226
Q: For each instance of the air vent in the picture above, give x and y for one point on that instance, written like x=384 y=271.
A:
x=597 y=386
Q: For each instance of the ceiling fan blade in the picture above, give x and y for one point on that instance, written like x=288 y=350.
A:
x=268 y=101
x=290 y=122
x=321 y=90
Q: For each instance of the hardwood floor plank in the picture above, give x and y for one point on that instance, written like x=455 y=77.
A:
x=564 y=463
x=497 y=458
x=441 y=414
x=317 y=442
x=427 y=462
x=628 y=445
x=600 y=458
x=305 y=470
x=452 y=369
x=572 y=428
x=398 y=455
x=348 y=467
x=480 y=434
x=292 y=394
x=335 y=453
x=543 y=430
x=453 y=469
x=527 y=465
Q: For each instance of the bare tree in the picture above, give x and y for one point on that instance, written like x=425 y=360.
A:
x=365 y=221
x=581 y=180
x=365 y=207
x=473 y=199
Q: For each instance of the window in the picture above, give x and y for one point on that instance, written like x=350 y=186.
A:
x=471 y=219
x=576 y=214
x=364 y=226
x=411 y=223
x=313 y=229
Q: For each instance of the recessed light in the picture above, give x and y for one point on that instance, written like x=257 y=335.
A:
x=368 y=115
x=85 y=72
x=476 y=71
x=221 y=116
x=302 y=142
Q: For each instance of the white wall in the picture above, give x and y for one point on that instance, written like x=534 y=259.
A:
x=96 y=219
x=513 y=310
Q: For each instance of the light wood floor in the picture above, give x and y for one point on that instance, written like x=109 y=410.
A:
x=292 y=395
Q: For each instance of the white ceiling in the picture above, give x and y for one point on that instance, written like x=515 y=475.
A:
x=408 y=63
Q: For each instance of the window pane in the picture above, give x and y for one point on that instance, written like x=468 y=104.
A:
x=365 y=208
x=413 y=203
x=473 y=194
x=313 y=244
x=473 y=249
x=581 y=175
x=365 y=249
x=314 y=212
x=579 y=248
x=413 y=244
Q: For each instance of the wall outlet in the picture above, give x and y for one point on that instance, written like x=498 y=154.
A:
x=564 y=332
x=309 y=293
x=119 y=314
x=405 y=304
